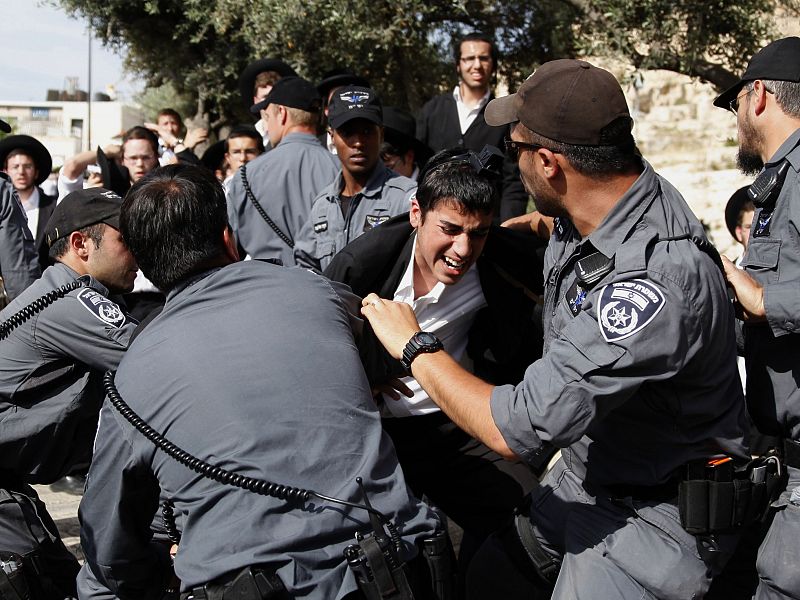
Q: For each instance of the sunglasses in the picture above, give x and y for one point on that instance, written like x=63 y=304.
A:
x=513 y=149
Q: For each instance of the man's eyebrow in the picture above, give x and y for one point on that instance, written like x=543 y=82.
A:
x=450 y=225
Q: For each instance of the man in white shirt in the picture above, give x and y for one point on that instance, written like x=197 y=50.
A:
x=28 y=163
x=469 y=283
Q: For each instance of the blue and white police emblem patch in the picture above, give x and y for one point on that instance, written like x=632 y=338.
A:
x=101 y=307
x=627 y=307
x=354 y=97
x=374 y=221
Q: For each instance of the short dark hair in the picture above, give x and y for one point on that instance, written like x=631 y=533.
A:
x=595 y=161
x=787 y=94
x=449 y=177
x=172 y=221
x=476 y=36
x=245 y=131
x=140 y=133
x=170 y=112
x=94 y=232
x=265 y=79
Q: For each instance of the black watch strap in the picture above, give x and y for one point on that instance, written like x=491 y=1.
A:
x=420 y=342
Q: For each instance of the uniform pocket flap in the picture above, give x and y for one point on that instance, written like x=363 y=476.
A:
x=762 y=254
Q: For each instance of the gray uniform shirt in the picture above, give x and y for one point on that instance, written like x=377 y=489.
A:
x=19 y=265
x=285 y=181
x=253 y=367
x=772 y=349
x=639 y=371
x=385 y=195
x=51 y=370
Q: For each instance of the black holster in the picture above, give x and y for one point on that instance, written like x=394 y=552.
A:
x=440 y=560
x=710 y=506
x=251 y=583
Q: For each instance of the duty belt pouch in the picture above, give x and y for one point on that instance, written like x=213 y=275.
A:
x=545 y=565
x=13 y=585
x=377 y=577
x=719 y=501
x=440 y=557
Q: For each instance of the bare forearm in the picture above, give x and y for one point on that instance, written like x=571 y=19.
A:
x=462 y=396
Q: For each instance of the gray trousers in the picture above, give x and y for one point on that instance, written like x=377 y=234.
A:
x=778 y=560
x=611 y=548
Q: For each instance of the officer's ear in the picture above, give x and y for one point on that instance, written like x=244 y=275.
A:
x=79 y=244
x=550 y=164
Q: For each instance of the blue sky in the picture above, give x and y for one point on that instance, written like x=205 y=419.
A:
x=40 y=46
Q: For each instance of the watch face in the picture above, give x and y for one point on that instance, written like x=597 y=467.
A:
x=426 y=339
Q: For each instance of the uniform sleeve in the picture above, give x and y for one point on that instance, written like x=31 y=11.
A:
x=118 y=505
x=71 y=327
x=305 y=247
x=19 y=265
x=782 y=306
x=583 y=377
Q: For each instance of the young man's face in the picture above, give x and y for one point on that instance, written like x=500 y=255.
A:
x=743 y=227
x=358 y=145
x=475 y=67
x=448 y=241
x=22 y=171
x=241 y=150
x=139 y=157
x=171 y=123
x=111 y=263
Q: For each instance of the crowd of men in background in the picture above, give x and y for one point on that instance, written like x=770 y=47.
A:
x=405 y=213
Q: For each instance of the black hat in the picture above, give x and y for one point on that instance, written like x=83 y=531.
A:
x=354 y=102
x=569 y=101
x=33 y=147
x=82 y=208
x=400 y=129
x=5 y=127
x=248 y=77
x=779 y=61
x=337 y=78
x=214 y=155
x=294 y=92
x=115 y=177
x=734 y=206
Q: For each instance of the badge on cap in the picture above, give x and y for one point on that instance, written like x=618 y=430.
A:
x=627 y=307
x=101 y=307
x=354 y=97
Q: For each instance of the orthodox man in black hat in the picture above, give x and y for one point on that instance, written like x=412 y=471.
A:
x=256 y=82
x=28 y=164
x=401 y=151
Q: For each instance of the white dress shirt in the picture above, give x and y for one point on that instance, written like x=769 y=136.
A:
x=466 y=115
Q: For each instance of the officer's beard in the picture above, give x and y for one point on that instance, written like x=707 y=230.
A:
x=748 y=158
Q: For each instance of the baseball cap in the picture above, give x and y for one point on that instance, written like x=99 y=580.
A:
x=294 y=92
x=82 y=208
x=354 y=102
x=569 y=101
x=779 y=61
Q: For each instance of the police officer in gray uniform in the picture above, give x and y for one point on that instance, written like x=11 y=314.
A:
x=638 y=381
x=365 y=193
x=767 y=105
x=285 y=411
x=18 y=261
x=270 y=198
x=50 y=376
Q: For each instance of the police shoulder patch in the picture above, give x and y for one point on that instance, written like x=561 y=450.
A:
x=101 y=307
x=627 y=307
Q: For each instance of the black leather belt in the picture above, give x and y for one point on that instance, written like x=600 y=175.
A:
x=791 y=454
x=251 y=583
x=662 y=492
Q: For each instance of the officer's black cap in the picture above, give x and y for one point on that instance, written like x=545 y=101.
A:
x=734 y=206
x=400 y=126
x=5 y=127
x=337 y=78
x=31 y=146
x=82 y=208
x=778 y=61
x=248 y=77
x=294 y=92
x=354 y=102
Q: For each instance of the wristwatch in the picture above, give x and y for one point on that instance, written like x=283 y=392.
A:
x=420 y=342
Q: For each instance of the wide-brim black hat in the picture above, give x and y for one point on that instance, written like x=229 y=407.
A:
x=115 y=177
x=399 y=124
x=339 y=77
x=214 y=155
x=33 y=147
x=248 y=77
x=734 y=206
x=778 y=61
x=5 y=127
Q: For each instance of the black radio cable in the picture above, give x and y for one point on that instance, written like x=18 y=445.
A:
x=251 y=196
x=38 y=305
x=220 y=475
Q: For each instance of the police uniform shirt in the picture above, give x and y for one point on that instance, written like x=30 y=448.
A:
x=50 y=375
x=285 y=182
x=19 y=265
x=639 y=371
x=772 y=349
x=293 y=408
x=386 y=194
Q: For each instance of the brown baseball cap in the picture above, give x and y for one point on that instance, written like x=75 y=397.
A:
x=569 y=101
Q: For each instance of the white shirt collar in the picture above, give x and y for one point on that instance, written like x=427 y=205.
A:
x=460 y=101
x=405 y=289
